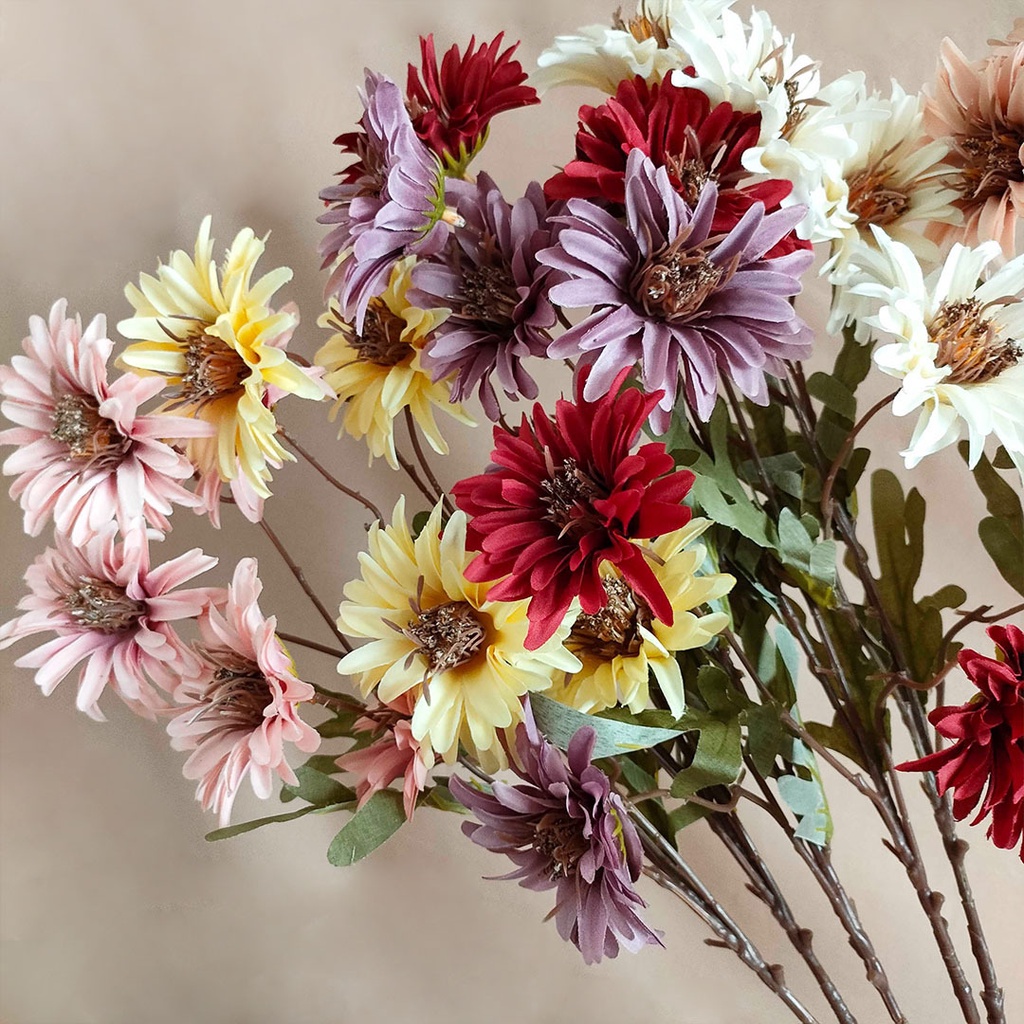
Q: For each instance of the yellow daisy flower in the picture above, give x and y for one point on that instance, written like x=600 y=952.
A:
x=212 y=333
x=623 y=643
x=435 y=634
x=377 y=373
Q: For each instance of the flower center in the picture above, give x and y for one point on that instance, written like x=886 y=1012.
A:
x=873 y=199
x=568 y=494
x=448 y=634
x=614 y=631
x=212 y=368
x=969 y=344
x=992 y=161
x=560 y=839
x=488 y=292
x=381 y=341
x=102 y=606
x=238 y=690
x=78 y=424
x=642 y=26
x=675 y=283
x=689 y=177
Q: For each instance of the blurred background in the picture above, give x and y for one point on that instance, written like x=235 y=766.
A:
x=123 y=123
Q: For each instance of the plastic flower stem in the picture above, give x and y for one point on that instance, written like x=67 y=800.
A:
x=300 y=578
x=291 y=638
x=741 y=422
x=329 y=477
x=410 y=471
x=414 y=436
x=337 y=702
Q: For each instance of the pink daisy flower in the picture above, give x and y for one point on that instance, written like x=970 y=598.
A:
x=241 y=705
x=85 y=456
x=112 y=610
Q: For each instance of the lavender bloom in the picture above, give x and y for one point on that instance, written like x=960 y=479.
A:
x=497 y=291
x=390 y=203
x=565 y=829
x=676 y=298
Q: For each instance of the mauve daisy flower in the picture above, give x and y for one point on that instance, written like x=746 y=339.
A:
x=85 y=455
x=110 y=608
x=985 y=762
x=565 y=829
x=241 y=701
x=676 y=298
x=565 y=495
x=978 y=107
x=389 y=204
x=497 y=293
x=452 y=105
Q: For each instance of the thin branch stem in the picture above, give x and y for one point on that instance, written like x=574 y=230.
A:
x=414 y=435
x=291 y=638
x=433 y=497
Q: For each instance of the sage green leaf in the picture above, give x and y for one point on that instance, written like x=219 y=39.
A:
x=1005 y=549
x=316 y=787
x=248 y=826
x=687 y=814
x=806 y=797
x=341 y=725
x=439 y=796
x=419 y=521
x=718 y=759
x=834 y=395
x=836 y=738
x=373 y=824
x=766 y=737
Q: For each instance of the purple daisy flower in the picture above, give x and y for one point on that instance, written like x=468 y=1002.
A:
x=389 y=203
x=674 y=297
x=497 y=291
x=565 y=829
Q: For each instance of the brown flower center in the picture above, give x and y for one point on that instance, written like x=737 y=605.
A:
x=614 y=631
x=642 y=26
x=873 y=198
x=102 y=606
x=381 y=340
x=448 y=634
x=969 y=344
x=488 y=292
x=568 y=494
x=991 y=161
x=78 y=424
x=560 y=839
x=674 y=283
x=689 y=177
x=212 y=368
x=238 y=690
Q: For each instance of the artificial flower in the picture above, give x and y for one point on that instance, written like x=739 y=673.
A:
x=378 y=371
x=111 y=609
x=565 y=829
x=623 y=644
x=491 y=280
x=85 y=455
x=239 y=707
x=957 y=353
x=565 y=495
x=389 y=204
x=212 y=333
x=439 y=635
x=453 y=103
x=985 y=762
x=676 y=298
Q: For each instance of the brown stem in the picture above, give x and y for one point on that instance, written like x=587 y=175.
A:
x=338 y=702
x=748 y=439
x=433 y=497
x=291 y=638
x=414 y=435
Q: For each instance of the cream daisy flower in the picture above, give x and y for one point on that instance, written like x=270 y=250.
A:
x=376 y=373
x=958 y=350
x=212 y=333
x=436 y=635
x=622 y=645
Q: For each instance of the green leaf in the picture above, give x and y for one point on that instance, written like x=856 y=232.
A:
x=439 y=796
x=373 y=824
x=419 y=521
x=835 y=738
x=559 y=724
x=806 y=797
x=766 y=737
x=340 y=725
x=317 y=787
x=1005 y=549
x=834 y=395
x=718 y=759
x=813 y=562
x=687 y=814
x=248 y=826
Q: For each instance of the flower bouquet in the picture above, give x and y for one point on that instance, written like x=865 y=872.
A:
x=679 y=596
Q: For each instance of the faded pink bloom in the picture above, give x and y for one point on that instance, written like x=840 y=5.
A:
x=394 y=754
x=978 y=107
x=85 y=456
x=241 y=705
x=109 y=608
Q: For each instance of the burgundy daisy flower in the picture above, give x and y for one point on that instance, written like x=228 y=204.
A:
x=674 y=296
x=389 y=203
x=985 y=763
x=679 y=130
x=496 y=290
x=453 y=103
x=565 y=829
x=565 y=495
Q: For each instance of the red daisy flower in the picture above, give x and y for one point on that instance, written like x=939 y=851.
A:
x=678 y=129
x=452 y=105
x=987 y=757
x=565 y=495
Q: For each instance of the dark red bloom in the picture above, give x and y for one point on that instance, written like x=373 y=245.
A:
x=452 y=105
x=565 y=495
x=986 y=759
x=678 y=129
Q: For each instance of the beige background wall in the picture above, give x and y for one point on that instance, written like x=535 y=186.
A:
x=124 y=121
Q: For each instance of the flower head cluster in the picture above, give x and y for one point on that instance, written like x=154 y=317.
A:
x=565 y=495
x=239 y=704
x=984 y=764
x=676 y=298
x=565 y=829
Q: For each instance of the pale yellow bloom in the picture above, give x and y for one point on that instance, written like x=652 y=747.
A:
x=376 y=374
x=435 y=634
x=213 y=334
x=623 y=644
